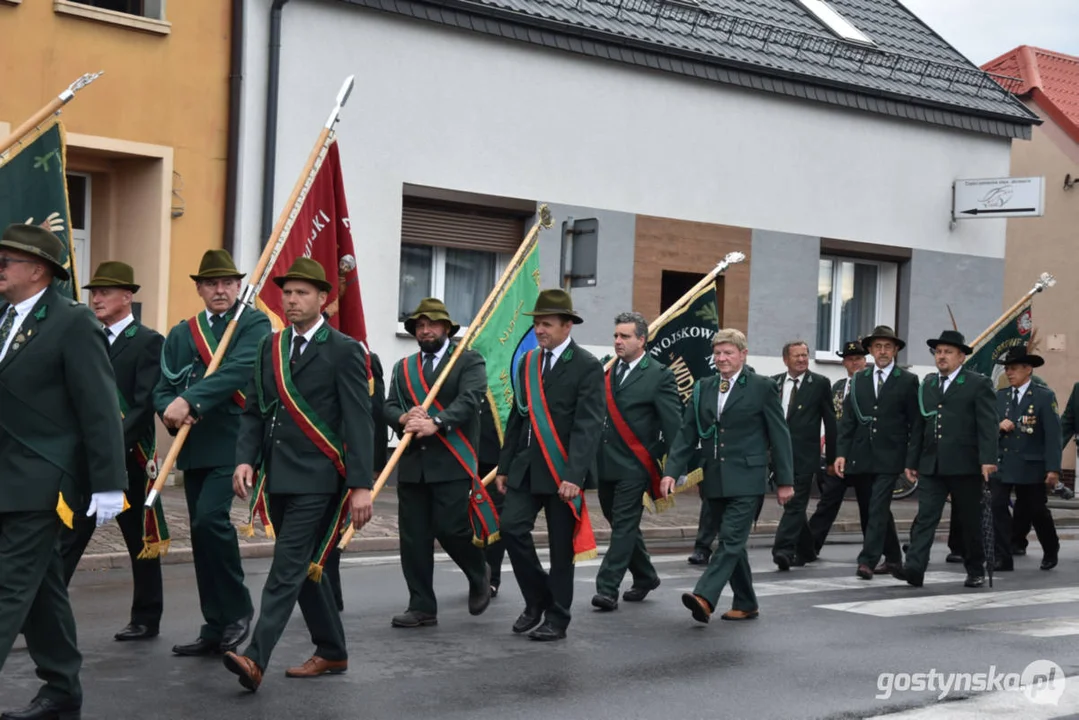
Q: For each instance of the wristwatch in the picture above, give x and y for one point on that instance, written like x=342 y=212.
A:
x=438 y=423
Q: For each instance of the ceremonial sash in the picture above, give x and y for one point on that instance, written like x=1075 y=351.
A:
x=206 y=345
x=317 y=431
x=481 y=511
x=155 y=531
x=634 y=444
x=584 y=542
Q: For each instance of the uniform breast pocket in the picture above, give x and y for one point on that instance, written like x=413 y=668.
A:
x=756 y=460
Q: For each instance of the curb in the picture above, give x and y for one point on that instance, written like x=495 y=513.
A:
x=110 y=561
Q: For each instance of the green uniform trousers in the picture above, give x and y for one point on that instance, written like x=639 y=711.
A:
x=793 y=536
x=966 y=492
x=730 y=562
x=622 y=506
x=430 y=511
x=219 y=573
x=34 y=601
x=301 y=522
x=880 y=536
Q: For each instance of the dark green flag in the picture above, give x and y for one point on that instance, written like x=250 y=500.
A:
x=684 y=341
x=33 y=186
x=1014 y=331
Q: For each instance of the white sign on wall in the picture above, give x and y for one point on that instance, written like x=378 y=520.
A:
x=998 y=198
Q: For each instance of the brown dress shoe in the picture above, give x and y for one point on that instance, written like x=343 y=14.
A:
x=740 y=614
x=249 y=673
x=864 y=572
x=316 y=666
x=701 y=609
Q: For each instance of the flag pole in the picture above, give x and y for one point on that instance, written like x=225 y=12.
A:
x=730 y=259
x=542 y=222
x=1045 y=281
x=52 y=107
x=269 y=252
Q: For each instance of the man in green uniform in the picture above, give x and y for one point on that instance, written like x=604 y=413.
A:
x=549 y=453
x=308 y=424
x=61 y=447
x=732 y=422
x=212 y=405
x=879 y=414
x=1029 y=458
x=806 y=398
x=954 y=450
x=436 y=473
x=135 y=354
x=643 y=416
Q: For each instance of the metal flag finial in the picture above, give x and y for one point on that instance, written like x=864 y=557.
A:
x=67 y=95
x=1045 y=281
x=342 y=98
x=545 y=216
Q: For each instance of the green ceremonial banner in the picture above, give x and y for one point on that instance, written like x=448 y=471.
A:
x=506 y=335
x=1015 y=330
x=684 y=342
x=33 y=186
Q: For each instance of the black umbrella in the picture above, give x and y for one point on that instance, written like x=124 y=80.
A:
x=988 y=537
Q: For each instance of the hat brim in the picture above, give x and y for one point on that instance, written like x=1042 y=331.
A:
x=322 y=285
x=410 y=323
x=58 y=270
x=1035 y=361
x=966 y=349
x=577 y=319
x=866 y=342
x=111 y=284
x=847 y=354
x=218 y=275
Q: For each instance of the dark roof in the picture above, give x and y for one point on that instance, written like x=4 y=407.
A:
x=770 y=45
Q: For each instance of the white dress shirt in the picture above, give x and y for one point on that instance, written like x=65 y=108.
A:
x=630 y=365
x=113 y=331
x=882 y=373
x=722 y=399
x=22 y=309
x=306 y=336
x=788 y=388
x=948 y=380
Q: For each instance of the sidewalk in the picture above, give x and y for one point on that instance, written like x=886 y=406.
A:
x=107 y=550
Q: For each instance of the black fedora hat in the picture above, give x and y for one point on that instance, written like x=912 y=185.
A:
x=555 y=302
x=307 y=270
x=953 y=338
x=882 y=332
x=113 y=273
x=1018 y=355
x=432 y=309
x=39 y=242
x=851 y=348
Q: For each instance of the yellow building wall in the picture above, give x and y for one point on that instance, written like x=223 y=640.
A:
x=168 y=92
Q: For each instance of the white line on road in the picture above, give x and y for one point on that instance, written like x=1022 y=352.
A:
x=1039 y=628
x=924 y=605
x=813 y=585
x=996 y=704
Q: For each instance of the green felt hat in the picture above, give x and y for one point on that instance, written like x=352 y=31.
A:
x=39 y=242
x=217 y=264
x=432 y=309
x=113 y=273
x=308 y=270
x=555 y=302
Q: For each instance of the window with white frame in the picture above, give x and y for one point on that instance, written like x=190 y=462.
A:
x=153 y=9
x=853 y=297
x=453 y=253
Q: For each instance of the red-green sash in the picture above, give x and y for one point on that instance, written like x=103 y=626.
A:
x=155 y=531
x=584 y=542
x=631 y=440
x=318 y=432
x=206 y=344
x=481 y=511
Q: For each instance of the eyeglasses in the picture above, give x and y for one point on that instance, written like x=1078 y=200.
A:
x=6 y=260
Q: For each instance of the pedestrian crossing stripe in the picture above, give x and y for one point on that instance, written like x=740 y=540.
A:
x=980 y=600
x=1038 y=627
x=996 y=704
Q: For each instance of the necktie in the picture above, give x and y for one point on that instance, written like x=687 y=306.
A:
x=791 y=403
x=620 y=373
x=217 y=324
x=428 y=366
x=943 y=380
x=1013 y=406
x=546 y=362
x=297 y=349
x=108 y=334
x=880 y=380
x=5 y=327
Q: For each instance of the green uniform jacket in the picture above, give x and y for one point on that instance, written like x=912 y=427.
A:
x=59 y=415
x=955 y=433
x=212 y=441
x=734 y=448
x=574 y=391
x=1069 y=421
x=136 y=361
x=428 y=459
x=331 y=376
x=813 y=406
x=875 y=436
x=1026 y=458
x=649 y=403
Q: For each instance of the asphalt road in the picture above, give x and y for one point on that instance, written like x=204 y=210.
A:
x=817 y=651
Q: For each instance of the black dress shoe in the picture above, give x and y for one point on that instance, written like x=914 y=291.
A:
x=1002 y=565
x=45 y=709
x=413 y=619
x=639 y=592
x=783 y=562
x=530 y=618
x=604 y=602
x=235 y=633
x=547 y=632
x=953 y=558
x=799 y=561
x=199 y=648
x=912 y=577
x=494 y=591
x=480 y=597
x=1019 y=551
x=134 y=631
x=1049 y=562
x=699 y=558
x=974 y=581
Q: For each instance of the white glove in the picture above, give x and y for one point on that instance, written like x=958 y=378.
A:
x=106 y=505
